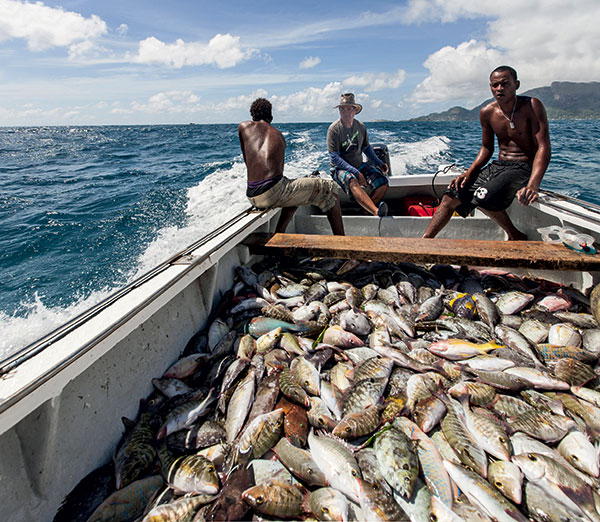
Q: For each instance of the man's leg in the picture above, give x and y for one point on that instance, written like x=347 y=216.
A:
x=504 y=222
x=378 y=194
x=362 y=198
x=334 y=216
x=284 y=219
x=442 y=215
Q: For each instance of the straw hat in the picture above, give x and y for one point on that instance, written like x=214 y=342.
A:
x=348 y=99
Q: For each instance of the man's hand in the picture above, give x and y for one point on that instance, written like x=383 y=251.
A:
x=527 y=195
x=384 y=168
x=361 y=180
x=460 y=181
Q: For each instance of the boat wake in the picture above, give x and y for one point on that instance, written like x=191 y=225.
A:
x=216 y=198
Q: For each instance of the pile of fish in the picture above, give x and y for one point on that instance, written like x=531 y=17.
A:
x=325 y=389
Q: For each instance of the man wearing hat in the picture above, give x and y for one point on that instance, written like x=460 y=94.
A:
x=346 y=141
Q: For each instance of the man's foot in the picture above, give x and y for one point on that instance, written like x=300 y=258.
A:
x=382 y=209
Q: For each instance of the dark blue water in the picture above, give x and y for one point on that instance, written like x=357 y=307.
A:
x=85 y=209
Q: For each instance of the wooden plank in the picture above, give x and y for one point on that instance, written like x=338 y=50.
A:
x=528 y=254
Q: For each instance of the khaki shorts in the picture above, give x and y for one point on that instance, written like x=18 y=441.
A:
x=297 y=192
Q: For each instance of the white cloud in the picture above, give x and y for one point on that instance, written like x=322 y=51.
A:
x=310 y=62
x=457 y=72
x=122 y=29
x=223 y=50
x=371 y=82
x=311 y=101
x=170 y=102
x=545 y=40
x=44 y=27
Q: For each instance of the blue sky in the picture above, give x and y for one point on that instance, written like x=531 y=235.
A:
x=78 y=62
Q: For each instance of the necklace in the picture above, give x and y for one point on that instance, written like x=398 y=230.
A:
x=510 y=120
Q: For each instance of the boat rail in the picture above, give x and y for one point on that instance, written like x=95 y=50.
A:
x=15 y=359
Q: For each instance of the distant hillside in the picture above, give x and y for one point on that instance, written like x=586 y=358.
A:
x=563 y=100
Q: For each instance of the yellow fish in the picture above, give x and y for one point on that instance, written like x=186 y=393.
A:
x=459 y=349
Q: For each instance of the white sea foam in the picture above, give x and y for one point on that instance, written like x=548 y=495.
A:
x=212 y=202
x=419 y=155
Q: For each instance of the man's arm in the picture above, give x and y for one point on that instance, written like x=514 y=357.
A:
x=241 y=137
x=370 y=153
x=541 y=136
x=483 y=156
x=341 y=164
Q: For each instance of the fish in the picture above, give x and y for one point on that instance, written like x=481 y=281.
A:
x=577 y=449
x=189 y=474
x=482 y=494
x=328 y=504
x=378 y=504
x=259 y=436
x=459 y=349
x=177 y=509
x=276 y=499
x=507 y=478
x=128 y=503
x=558 y=482
x=512 y=302
x=337 y=464
x=398 y=462
x=436 y=477
x=300 y=463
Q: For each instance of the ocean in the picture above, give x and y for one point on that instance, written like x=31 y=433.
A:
x=85 y=210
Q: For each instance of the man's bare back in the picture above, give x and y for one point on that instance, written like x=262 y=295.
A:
x=263 y=147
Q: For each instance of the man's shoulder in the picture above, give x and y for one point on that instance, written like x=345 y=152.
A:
x=335 y=125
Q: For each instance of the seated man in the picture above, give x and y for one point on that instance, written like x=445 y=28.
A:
x=346 y=141
x=521 y=126
x=263 y=147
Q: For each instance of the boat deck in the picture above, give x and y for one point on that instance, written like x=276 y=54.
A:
x=513 y=254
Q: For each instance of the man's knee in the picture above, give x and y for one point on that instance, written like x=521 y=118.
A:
x=449 y=201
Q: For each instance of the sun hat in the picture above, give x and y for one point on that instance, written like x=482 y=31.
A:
x=348 y=99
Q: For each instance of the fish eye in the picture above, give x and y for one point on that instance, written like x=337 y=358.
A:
x=210 y=469
x=469 y=468
x=531 y=457
x=415 y=414
x=466 y=452
x=348 y=429
x=574 y=457
x=306 y=383
x=502 y=439
x=375 y=487
x=432 y=517
x=354 y=473
x=498 y=484
x=405 y=466
x=260 y=499
x=324 y=510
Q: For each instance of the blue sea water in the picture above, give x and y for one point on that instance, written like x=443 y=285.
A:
x=84 y=210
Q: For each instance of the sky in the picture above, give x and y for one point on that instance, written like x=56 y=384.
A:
x=83 y=62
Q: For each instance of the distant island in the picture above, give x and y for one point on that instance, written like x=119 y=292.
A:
x=563 y=100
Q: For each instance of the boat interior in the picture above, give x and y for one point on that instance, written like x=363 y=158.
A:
x=62 y=398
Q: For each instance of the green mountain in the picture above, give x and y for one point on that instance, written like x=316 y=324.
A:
x=563 y=100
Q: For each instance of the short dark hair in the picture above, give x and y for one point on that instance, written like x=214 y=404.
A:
x=505 y=68
x=261 y=110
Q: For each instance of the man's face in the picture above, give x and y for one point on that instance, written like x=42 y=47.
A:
x=347 y=113
x=503 y=85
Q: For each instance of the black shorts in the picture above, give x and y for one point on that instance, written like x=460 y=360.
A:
x=494 y=188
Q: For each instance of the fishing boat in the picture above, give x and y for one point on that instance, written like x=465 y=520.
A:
x=62 y=398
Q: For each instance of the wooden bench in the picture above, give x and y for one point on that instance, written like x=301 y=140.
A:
x=513 y=254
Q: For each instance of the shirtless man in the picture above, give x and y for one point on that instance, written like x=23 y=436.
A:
x=521 y=126
x=263 y=147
